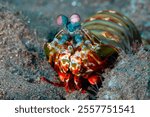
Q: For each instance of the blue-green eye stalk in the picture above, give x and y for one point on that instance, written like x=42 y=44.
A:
x=72 y=28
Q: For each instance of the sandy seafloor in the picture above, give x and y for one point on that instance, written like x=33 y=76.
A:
x=24 y=28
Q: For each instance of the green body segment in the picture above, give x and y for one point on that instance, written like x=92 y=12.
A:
x=112 y=28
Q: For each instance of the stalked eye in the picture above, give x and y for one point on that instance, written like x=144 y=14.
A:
x=75 y=18
x=62 y=20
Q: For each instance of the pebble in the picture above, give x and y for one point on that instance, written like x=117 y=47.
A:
x=74 y=3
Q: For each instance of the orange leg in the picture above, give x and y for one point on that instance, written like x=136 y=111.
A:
x=63 y=76
x=70 y=85
x=77 y=82
x=43 y=79
x=94 y=79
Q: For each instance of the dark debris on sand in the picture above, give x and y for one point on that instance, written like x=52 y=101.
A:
x=22 y=62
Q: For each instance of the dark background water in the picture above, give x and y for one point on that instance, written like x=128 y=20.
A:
x=41 y=14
